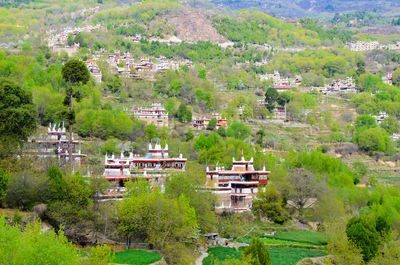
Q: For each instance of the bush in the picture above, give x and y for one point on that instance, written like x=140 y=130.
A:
x=323 y=148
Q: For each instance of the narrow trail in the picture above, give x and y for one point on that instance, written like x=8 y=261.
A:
x=199 y=260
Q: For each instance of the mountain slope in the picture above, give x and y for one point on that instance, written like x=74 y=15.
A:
x=302 y=8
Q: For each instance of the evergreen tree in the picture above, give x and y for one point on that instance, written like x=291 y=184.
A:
x=257 y=253
x=363 y=234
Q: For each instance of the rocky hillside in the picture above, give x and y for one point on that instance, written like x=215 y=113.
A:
x=193 y=26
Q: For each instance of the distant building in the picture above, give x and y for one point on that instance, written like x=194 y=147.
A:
x=360 y=46
x=280 y=83
x=156 y=114
x=55 y=145
x=94 y=70
x=201 y=123
x=387 y=79
x=279 y=112
x=236 y=188
x=340 y=86
x=380 y=117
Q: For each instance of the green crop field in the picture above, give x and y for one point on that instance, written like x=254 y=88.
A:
x=279 y=256
x=221 y=253
x=292 y=237
x=271 y=241
x=289 y=256
x=136 y=257
x=300 y=236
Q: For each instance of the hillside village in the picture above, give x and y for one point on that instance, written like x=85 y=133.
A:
x=175 y=132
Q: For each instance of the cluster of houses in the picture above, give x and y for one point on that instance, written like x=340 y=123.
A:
x=339 y=86
x=59 y=42
x=361 y=46
x=128 y=67
x=125 y=65
x=281 y=83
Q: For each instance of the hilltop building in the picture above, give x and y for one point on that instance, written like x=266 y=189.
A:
x=236 y=188
x=154 y=167
x=201 y=123
x=156 y=114
x=55 y=145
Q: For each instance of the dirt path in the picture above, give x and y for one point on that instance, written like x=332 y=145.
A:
x=199 y=260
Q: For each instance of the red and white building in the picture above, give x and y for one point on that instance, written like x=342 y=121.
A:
x=201 y=123
x=154 y=167
x=236 y=188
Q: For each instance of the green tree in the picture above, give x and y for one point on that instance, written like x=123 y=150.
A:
x=74 y=72
x=151 y=131
x=17 y=116
x=257 y=252
x=176 y=87
x=188 y=114
x=221 y=131
x=4 y=181
x=260 y=135
x=383 y=227
x=363 y=234
x=182 y=112
x=189 y=134
x=58 y=185
x=151 y=216
x=212 y=124
x=203 y=203
x=396 y=77
x=364 y=122
x=360 y=67
x=372 y=140
x=247 y=113
x=202 y=73
x=283 y=99
x=115 y=84
x=269 y=203
x=391 y=125
x=238 y=130
x=271 y=95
